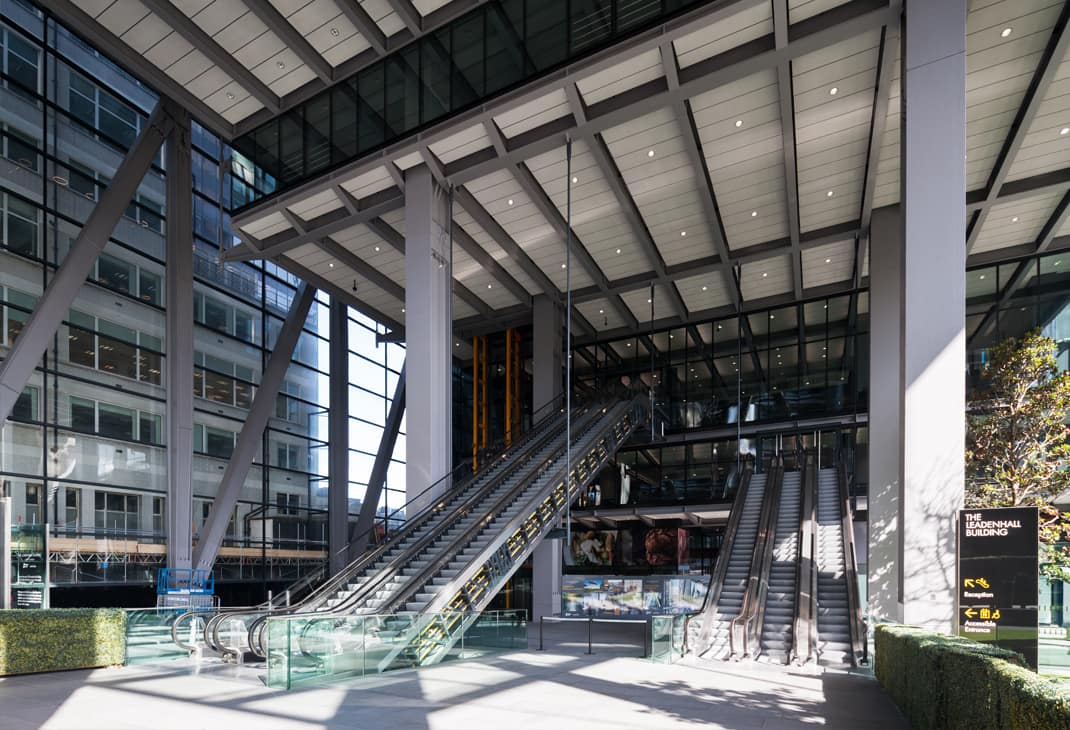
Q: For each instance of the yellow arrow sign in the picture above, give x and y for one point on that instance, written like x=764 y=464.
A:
x=968 y=582
x=970 y=613
x=983 y=583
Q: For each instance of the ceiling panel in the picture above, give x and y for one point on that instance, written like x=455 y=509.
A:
x=828 y=264
x=752 y=22
x=374 y=251
x=766 y=278
x=739 y=129
x=833 y=91
x=1046 y=146
x=319 y=261
x=621 y=77
x=461 y=144
x=601 y=315
x=369 y=183
x=267 y=226
x=480 y=281
x=650 y=154
x=802 y=9
x=481 y=237
x=316 y=205
x=704 y=291
x=383 y=15
x=533 y=114
x=502 y=196
x=639 y=302
x=1011 y=224
x=998 y=72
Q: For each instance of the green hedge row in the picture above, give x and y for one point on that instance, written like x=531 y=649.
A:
x=949 y=682
x=48 y=640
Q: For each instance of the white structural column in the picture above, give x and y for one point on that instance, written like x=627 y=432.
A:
x=179 y=503
x=929 y=272
x=548 y=367
x=428 y=336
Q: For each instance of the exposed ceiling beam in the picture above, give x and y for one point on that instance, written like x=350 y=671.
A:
x=288 y=34
x=812 y=34
x=490 y=264
x=134 y=62
x=350 y=260
x=199 y=39
x=328 y=224
x=369 y=29
x=882 y=93
x=786 y=100
x=1046 y=69
x=409 y=15
x=608 y=167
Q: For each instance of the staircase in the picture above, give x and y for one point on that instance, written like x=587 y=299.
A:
x=833 y=615
x=735 y=581
x=779 y=615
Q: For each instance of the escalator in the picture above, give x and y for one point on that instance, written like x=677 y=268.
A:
x=454 y=555
x=838 y=615
x=776 y=625
x=731 y=575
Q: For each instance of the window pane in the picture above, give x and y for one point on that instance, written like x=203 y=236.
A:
x=116 y=422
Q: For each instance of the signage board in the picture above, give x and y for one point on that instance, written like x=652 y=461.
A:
x=29 y=566
x=998 y=577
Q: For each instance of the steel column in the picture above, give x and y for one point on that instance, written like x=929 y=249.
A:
x=179 y=294
x=211 y=536
x=61 y=292
x=360 y=534
x=338 y=436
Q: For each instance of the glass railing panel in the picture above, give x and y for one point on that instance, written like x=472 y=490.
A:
x=148 y=634
x=661 y=639
x=495 y=631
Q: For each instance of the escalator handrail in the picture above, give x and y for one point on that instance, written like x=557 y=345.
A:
x=854 y=607
x=804 y=566
x=458 y=544
x=468 y=503
x=760 y=559
x=814 y=651
x=720 y=569
x=449 y=590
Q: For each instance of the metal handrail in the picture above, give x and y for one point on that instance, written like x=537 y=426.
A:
x=814 y=651
x=713 y=595
x=804 y=567
x=854 y=607
x=758 y=566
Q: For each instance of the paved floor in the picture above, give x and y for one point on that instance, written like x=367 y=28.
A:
x=559 y=688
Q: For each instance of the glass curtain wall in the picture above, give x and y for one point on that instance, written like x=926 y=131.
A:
x=85 y=448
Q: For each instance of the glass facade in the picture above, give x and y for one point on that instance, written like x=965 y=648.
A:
x=85 y=448
x=494 y=47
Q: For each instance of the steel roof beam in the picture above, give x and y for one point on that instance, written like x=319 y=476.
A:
x=368 y=28
x=490 y=264
x=293 y=38
x=786 y=100
x=1042 y=78
x=409 y=15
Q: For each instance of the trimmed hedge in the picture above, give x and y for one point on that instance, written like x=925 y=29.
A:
x=48 y=640
x=949 y=682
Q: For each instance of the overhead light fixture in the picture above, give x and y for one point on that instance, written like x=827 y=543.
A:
x=982 y=276
x=754 y=214
x=331 y=265
x=618 y=251
x=650 y=153
x=562 y=266
x=648 y=301
x=828 y=261
x=629 y=344
x=377 y=249
x=490 y=286
x=230 y=95
x=1014 y=219
x=765 y=274
x=280 y=64
x=833 y=91
x=704 y=288
x=575 y=180
x=829 y=194
x=510 y=201
x=739 y=123
x=1064 y=130
x=456 y=344
x=683 y=234
x=334 y=32
x=1056 y=263
x=403 y=310
x=1005 y=32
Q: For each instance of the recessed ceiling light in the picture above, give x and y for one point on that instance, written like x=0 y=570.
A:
x=683 y=233
x=562 y=266
x=1005 y=32
x=629 y=344
x=982 y=276
x=833 y=91
x=754 y=214
x=230 y=95
x=618 y=251
x=704 y=288
x=334 y=31
x=1014 y=219
x=648 y=301
x=1064 y=130
x=765 y=274
x=718 y=326
x=828 y=261
x=739 y=123
x=280 y=64
x=510 y=201
x=1056 y=263
x=650 y=153
x=456 y=344
x=490 y=286
x=575 y=180
x=331 y=265
x=829 y=193
x=601 y=311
